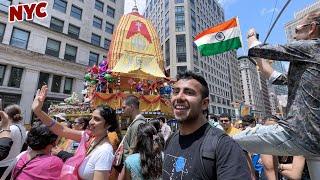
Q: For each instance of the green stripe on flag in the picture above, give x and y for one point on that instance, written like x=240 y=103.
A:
x=220 y=47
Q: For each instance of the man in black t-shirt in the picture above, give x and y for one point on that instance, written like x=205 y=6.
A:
x=182 y=156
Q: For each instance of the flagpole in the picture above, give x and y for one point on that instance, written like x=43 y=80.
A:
x=242 y=47
x=275 y=21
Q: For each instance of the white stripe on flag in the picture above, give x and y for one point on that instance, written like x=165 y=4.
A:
x=210 y=38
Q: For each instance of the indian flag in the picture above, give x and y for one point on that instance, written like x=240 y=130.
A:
x=218 y=39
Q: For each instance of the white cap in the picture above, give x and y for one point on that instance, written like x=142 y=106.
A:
x=61 y=116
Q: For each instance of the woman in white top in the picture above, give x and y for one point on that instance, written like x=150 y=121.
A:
x=18 y=135
x=98 y=161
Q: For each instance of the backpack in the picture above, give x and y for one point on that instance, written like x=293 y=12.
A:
x=208 y=148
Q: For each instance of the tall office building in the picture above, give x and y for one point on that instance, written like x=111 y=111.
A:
x=264 y=81
x=290 y=26
x=55 y=50
x=177 y=23
x=252 y=87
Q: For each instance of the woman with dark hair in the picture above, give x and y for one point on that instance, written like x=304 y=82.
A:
x=146 y=162
x=38 y=163
x=98 y=158
x=18 y=135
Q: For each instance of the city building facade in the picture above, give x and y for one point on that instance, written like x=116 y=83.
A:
x=252 y=87
x=177 y=23
x=55 y=50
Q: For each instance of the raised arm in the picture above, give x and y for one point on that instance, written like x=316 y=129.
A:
x=4 y=125
x=302 y=50
x=54 y=126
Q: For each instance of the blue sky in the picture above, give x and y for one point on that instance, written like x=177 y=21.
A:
x=258 y=14
x=253 y=13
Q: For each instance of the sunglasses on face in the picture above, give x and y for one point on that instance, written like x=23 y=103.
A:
x=224 y=121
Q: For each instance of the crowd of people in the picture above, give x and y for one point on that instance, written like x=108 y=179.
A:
x=203 y=147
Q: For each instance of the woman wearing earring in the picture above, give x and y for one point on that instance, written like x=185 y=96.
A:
x=99 y=153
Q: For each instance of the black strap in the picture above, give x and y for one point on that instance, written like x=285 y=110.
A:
x=20 y=134
x=94 y=146
x=20 y=170
x=208 y=148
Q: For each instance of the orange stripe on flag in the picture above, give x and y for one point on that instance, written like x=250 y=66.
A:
x=220 y=27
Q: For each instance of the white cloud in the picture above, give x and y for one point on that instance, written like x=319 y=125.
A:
x=265 y=11
x=226 y=3
x=128 y=5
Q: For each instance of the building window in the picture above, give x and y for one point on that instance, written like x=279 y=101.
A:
x=73 y=31
x=113 y=1
x=167 y=52
x=166 y=24
x=181 y=69
x=110 y=11
x=2 y=30
x=180 y=23
x=76 y=12
x=107 y=43
x=179 y=1
x=97 y=22
x=181 y=48
x=109 y=27
x=60 y=5
x=43 y=79
x=99 y=5
x=19 y=38
x=67 y=86
x=93 y=59
x=56 y=83
x=95 y=39
x=53 y=47
x=56 y=24
x=2 y=72
x=4 y=5
x=15 y=77
x=70 y=53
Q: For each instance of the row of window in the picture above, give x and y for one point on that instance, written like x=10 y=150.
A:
x=53 y=49
x=56 y=82
x=20 y=38
x=76 y=12
x=16 y=77
x=74 y=31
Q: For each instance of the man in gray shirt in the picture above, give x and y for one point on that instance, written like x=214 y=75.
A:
x=299 y=133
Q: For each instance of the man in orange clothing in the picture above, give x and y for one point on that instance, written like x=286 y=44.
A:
x=225 y=121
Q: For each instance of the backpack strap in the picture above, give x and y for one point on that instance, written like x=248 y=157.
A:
x=208 y=150
x=169 y=138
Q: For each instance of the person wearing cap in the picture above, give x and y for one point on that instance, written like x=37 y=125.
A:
x=60 y=117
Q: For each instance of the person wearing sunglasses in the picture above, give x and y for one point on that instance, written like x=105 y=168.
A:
x=299 y=132
x=225 y=122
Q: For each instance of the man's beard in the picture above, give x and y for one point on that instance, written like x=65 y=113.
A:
x=190 y=119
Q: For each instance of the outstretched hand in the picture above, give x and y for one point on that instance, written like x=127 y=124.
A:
x=39 y=99
x=5 y=122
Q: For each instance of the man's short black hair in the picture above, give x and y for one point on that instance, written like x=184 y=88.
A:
x=132 y=100
x=191 y=75
x=162 y=119
x=225 y=115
